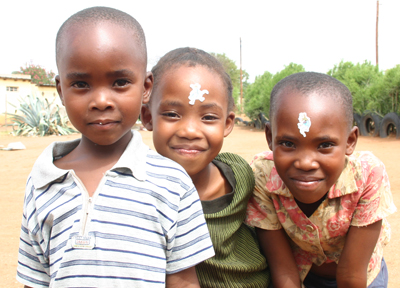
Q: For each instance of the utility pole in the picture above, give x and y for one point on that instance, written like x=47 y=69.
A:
x=376 y=42
x=6 y=114
x=241 y=76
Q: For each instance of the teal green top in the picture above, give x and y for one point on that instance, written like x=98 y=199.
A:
x=238 y=261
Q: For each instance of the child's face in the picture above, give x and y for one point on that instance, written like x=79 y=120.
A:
x=102 y=81
x=191 y=135
x=310 y=165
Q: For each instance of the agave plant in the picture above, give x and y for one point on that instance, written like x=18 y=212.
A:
x=39 y=118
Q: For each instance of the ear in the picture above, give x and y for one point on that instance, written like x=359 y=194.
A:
x=352 y=141
x=58 y=87
x=146 y=117
x=229 y=123
x=268 y=134
x=148 y=87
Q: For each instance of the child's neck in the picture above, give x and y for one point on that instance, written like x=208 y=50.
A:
x=309 y=208
x=90 y=161
x=211 y=183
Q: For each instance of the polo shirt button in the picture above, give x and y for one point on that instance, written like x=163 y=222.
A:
x=310 y=228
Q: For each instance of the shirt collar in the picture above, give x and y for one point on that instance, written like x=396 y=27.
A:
x=346 y=183
x=134 y=157
x=45 y=172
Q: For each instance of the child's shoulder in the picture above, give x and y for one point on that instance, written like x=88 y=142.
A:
x=364 y=167
x=231 y=158
x=164 y=162
x=240 y=167
x=167 y=168
x=264 y=156
x=263 y=161
x=365 y=160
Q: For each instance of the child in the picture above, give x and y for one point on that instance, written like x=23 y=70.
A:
x=318 y=209
x=104 y=210
x=190 y=112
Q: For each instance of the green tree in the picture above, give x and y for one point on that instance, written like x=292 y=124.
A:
x=390 y=91
x=365 y=84
x=258 y=93
x=234 y=72
x=39 y=75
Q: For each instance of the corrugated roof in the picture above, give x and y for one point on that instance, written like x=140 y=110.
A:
x=15 y=76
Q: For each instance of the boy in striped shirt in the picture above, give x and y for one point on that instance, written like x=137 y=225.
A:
x=105 y=210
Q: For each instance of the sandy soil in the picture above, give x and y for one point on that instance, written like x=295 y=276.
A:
x=16 y=165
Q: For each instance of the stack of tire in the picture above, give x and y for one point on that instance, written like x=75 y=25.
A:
x=260 y=121
x=372 y=124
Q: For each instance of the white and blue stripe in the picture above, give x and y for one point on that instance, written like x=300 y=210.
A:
x=145 y=215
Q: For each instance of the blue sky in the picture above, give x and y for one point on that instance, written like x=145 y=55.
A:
x=316 y=33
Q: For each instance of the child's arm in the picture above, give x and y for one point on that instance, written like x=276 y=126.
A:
x=185 y=278
x=279 y=256
x=353 y=263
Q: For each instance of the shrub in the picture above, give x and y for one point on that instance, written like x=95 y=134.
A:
x=39 y=118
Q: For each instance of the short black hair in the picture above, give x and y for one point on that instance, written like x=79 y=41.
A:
x=309 y=82
x=192 y=57
x=95 y=15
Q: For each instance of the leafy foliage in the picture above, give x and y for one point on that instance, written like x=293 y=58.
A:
x=372 y=90
x=390 y=90
x=39 y=118
x=365 y=84
x=38 y=74
x=234 y=72
x=258 y=93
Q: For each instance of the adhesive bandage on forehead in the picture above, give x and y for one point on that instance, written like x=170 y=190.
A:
x=304 y=123
x=196 y=93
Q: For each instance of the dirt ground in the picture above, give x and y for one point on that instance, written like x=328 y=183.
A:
x=16 y=165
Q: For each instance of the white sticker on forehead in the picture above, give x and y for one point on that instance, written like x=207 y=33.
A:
x=304 y=123
x=196 y=93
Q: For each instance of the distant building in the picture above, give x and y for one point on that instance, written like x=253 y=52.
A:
x=13 y=87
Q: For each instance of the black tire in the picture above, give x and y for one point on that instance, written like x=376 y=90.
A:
x=263 y=120
x=390 y=126
x=238 y=119
x=357 y=119
x=370 y=124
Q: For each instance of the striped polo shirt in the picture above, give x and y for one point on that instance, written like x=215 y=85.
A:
x=144 y=221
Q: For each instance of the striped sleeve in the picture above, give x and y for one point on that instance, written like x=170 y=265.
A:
x=32 y=269
x=189 y=242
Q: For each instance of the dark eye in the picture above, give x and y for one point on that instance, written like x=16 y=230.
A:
x=325 y=145
x=170 y=115
x=209 y=118
x=287 y=144
x=80 y=85
x=121 y=83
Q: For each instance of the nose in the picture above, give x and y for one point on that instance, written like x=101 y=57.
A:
x=101 y=100
x=306 y=161
x=189 y=129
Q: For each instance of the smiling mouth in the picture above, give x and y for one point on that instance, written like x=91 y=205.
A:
x=188 y=150
x=307 y=183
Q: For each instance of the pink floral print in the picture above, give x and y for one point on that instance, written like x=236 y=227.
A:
x=361 y=196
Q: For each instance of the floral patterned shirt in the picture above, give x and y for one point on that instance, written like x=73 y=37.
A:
x=360 y=196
